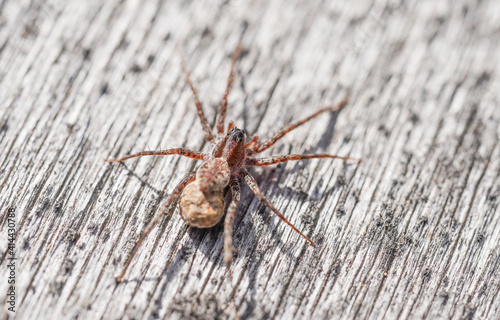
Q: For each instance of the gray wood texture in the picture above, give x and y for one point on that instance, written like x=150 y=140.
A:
x=413 y=232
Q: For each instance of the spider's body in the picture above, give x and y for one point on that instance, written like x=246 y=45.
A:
x=200 y=195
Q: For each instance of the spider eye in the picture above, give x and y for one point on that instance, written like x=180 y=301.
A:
x=240 y=135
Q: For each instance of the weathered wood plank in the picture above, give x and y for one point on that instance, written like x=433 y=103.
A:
x=412 y=232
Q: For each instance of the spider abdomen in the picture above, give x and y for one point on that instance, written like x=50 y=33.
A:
x=199 y=209
x=202 y=202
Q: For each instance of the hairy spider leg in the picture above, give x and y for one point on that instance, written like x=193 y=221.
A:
x=271 y=141
x=171 y=200
x=250 y=181
x=230 y=126
x=289 y=157
x=183 y=152
x=228 y=221
x=204 y=123
x=253 y=141
x=221 y=114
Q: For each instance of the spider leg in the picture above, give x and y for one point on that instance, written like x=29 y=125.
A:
x=228 y=221
x=221 y=114
x=271 y=141
x=230 y=126
x=183 y=152
x=285 y=158
x=250 y=181
x=254 y=141
x=164 y=209
x=251 y=145
x=204 y=123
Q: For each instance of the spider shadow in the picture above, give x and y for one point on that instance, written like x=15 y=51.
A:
x=130 y=172
x=183 y=256
x=326 y=138
x=210 y=241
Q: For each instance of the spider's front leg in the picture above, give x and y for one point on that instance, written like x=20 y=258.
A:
x=203 y=119
x=221 y=113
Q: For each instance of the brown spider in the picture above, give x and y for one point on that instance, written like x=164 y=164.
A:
x=202 y=192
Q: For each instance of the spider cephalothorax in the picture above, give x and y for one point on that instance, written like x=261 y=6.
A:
x=201 y=193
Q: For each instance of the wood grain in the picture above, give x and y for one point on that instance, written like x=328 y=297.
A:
x=412 y=232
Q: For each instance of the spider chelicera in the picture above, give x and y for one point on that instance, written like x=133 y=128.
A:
x=201 y=193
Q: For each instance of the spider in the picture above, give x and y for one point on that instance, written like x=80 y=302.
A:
x=200 y=195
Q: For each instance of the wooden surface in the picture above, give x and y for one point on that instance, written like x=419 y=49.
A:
x=412 y=232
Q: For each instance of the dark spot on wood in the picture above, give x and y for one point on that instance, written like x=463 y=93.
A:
x=186 y=252
x=382 y=128
x=151 y=59
x=341 y=181
x=106 y=235
x=56 y=288
x=58 y=207
x=465 y=11
x=483 y=79
x=470 y=313
x=446 y=282
x=104 y=89
x=426 y=275
x=4 y=126
x=340 y=212
x=26 y=244
x=483 y=291
x=347 y=138
x=136 y=68
x=207 y=33
x=123 y=44
x=444 y=296
x=422 y=223
x=445 y=239
x=68 y=266
x=86 y=53
x=30 y=30
x=414 y=118
x=72 y=236
x=93 y=228
x=307 y=219
x=44 y=207
x=480 y=238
